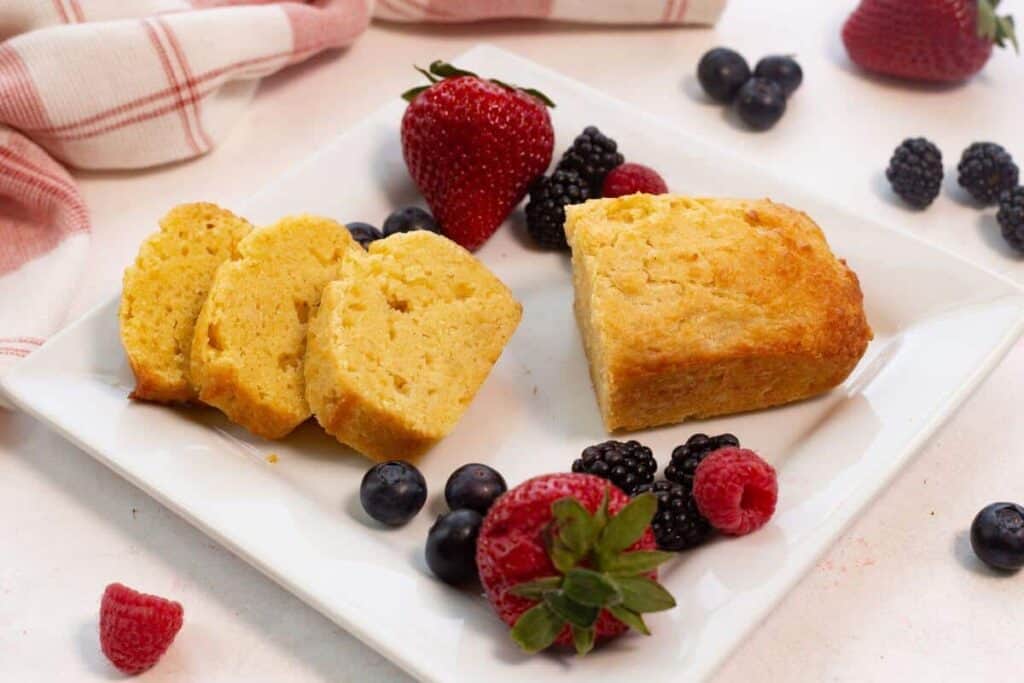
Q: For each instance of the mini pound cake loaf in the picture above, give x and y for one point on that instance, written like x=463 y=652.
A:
x=164 y=290
x=250 y=339
x=699 y=307
x=403 y=341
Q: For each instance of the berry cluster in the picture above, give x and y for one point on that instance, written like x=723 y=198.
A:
x=592 y=167
x=986 y=172
x=734 y=494
x=759 y=96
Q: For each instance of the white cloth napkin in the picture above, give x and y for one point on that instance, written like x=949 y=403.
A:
x=105 y=84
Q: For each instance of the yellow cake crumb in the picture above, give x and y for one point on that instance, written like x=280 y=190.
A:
x=164 y=290
x=250 y=338
x=403 y=341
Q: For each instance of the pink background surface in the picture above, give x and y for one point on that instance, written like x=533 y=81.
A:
x=900 y=595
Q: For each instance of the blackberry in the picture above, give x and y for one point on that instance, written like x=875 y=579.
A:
x=627 y=464
x=1011 y=217
x=686 y=457
x=986 y=170
x=677 y=524
x=545 y=212
x=592 y=155
x=915 y=171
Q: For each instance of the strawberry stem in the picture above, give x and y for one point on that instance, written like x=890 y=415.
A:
x=596 y=570
x=440 y=70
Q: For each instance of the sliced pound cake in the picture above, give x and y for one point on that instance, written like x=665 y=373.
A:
x=164 y=290
x=250 y=338
x=403 y=341
x=699 y=307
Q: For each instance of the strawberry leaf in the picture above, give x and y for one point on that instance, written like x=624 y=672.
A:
x=561 y=555
x=430 y=77
x=991 y=26
x=630 y=619
x=986 y=19
x=537 y=628
x=548 y=102
x=640 y=594
x=583 y=639
x=601 y=516
x=411 y=94
x=582 y=616
x=637 y=562
x=532 y=92
x=626 y=528
x=574 y=525
x=446 y=70
x=536 y=589
x=588 y=587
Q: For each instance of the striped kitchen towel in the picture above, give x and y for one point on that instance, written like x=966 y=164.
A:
x=122 y=84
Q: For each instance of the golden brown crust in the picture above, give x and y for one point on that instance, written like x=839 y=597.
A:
x=223 y=389
x=699 y=307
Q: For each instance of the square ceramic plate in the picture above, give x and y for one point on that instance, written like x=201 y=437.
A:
x=940 y=324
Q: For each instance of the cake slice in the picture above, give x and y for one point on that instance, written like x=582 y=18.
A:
x=403 y=341
x=250 y=339
x=700 y=307
x=163 y=291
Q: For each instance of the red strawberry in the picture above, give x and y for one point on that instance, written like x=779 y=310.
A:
x=135 y=628
x=569 y=559
x=928 y=40
x=473 y=147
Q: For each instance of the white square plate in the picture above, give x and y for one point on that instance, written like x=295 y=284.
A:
x=940 y=323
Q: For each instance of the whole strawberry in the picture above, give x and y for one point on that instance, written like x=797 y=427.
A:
x=927 y=40
x=135 y=628
x=473 y=147
x=568 y=559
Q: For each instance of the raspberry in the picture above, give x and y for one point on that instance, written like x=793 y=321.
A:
x=135 y=628
x=686 y=457
x=736 y=490
x=632 y=178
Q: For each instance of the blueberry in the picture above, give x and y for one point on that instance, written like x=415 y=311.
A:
x=783 y=70
x=474 y=486
x=721 y=72
x=451 y=546
x=393 y=492
x=409 y=219
x=997 y=535
x=364 y=233
x=761 y=103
